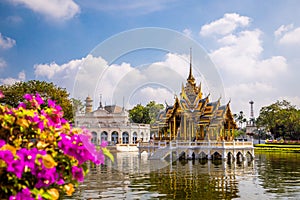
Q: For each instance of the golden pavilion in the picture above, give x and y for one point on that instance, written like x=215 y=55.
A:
x=194 y=118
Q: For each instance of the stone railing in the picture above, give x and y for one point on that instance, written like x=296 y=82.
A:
x=190 y=144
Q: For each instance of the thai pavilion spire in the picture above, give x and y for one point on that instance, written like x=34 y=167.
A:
x=191 y=78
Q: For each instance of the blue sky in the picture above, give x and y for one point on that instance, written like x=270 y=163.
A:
x=253 y=45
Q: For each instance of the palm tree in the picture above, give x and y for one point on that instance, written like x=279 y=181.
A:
x=240 y=118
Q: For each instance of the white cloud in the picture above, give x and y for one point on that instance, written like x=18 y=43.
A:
x=124 y=80
x=53 y=69
x=187 y=32
x=291 y=37
x=66 y=74
x=246 y=73
x=55 y=9
x=241 y=55
x=261 y=93
x=2 y=63
x=93 y=76
x=11 y=80
x=282 y=29
x=147 y=94
x=6 y=42
x=225 y=25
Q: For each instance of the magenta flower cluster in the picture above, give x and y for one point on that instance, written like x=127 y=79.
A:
x=52 y=161
x=80 y=148
x=24 y=194
x=25 y=158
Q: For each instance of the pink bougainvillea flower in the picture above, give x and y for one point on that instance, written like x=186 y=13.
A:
x=27 y=157
x=2 y=143
x=6 y=155
x=22 y=105
x=77 y=173
x=51 y=103
x=24 y=194
x=16 y=167
x=46 y=177
x=1 y=94
x=60 y=181
x=39 y=99
x=28 y=97
x=104 y=144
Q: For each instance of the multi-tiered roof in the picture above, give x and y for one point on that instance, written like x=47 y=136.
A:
x=191 y=107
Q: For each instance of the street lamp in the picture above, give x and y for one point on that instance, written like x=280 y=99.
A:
x=259 y=135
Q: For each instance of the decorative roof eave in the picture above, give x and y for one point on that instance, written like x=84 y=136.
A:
x=229 y=115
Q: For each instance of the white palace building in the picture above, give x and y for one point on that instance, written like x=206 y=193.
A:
x=111 y=123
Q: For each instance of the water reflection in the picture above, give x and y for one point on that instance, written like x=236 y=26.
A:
x=279 y=174
x=268 y=176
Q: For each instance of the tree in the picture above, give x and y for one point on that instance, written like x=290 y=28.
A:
x=154 y=110
x=77 y=104
x=281 y=119
x=139 y=114
x=14 y=94
x=145 y=114
x=240 y=118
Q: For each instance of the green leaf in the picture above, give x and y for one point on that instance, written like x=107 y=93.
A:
x=108 y=154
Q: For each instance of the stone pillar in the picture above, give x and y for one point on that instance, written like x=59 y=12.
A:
x=224 y=154
x=109 y=136
x=229 y=133
x=189 y=154
x=171 y=130
x=208 y=155
x=174 y=127
x=202 y=132
x=207 y=133
x=184 y=126
x=192 y=131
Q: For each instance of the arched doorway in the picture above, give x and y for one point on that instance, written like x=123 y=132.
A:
x=125 y=138
x=94 y=137
x=114 y=137
x=142 y=136
x=104 y=136
x=134 y=138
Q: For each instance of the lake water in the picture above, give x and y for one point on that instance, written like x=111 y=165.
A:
x=268 y=176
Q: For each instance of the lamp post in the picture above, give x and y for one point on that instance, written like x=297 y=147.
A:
x=259 y=135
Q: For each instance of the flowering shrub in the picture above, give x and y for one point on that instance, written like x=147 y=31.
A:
x=41 y=155
x=281 y=141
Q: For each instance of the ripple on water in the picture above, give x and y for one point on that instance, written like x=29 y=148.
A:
x=268 y=177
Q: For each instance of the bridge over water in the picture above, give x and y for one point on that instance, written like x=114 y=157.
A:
x=210 y=149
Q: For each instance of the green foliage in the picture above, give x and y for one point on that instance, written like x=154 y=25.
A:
x=154 y=110
x=145 y=114
x=14 y=94
x=77 y=105
x=281 y=119
x=239 y=132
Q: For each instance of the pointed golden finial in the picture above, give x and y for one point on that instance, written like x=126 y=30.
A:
x=191 y=78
